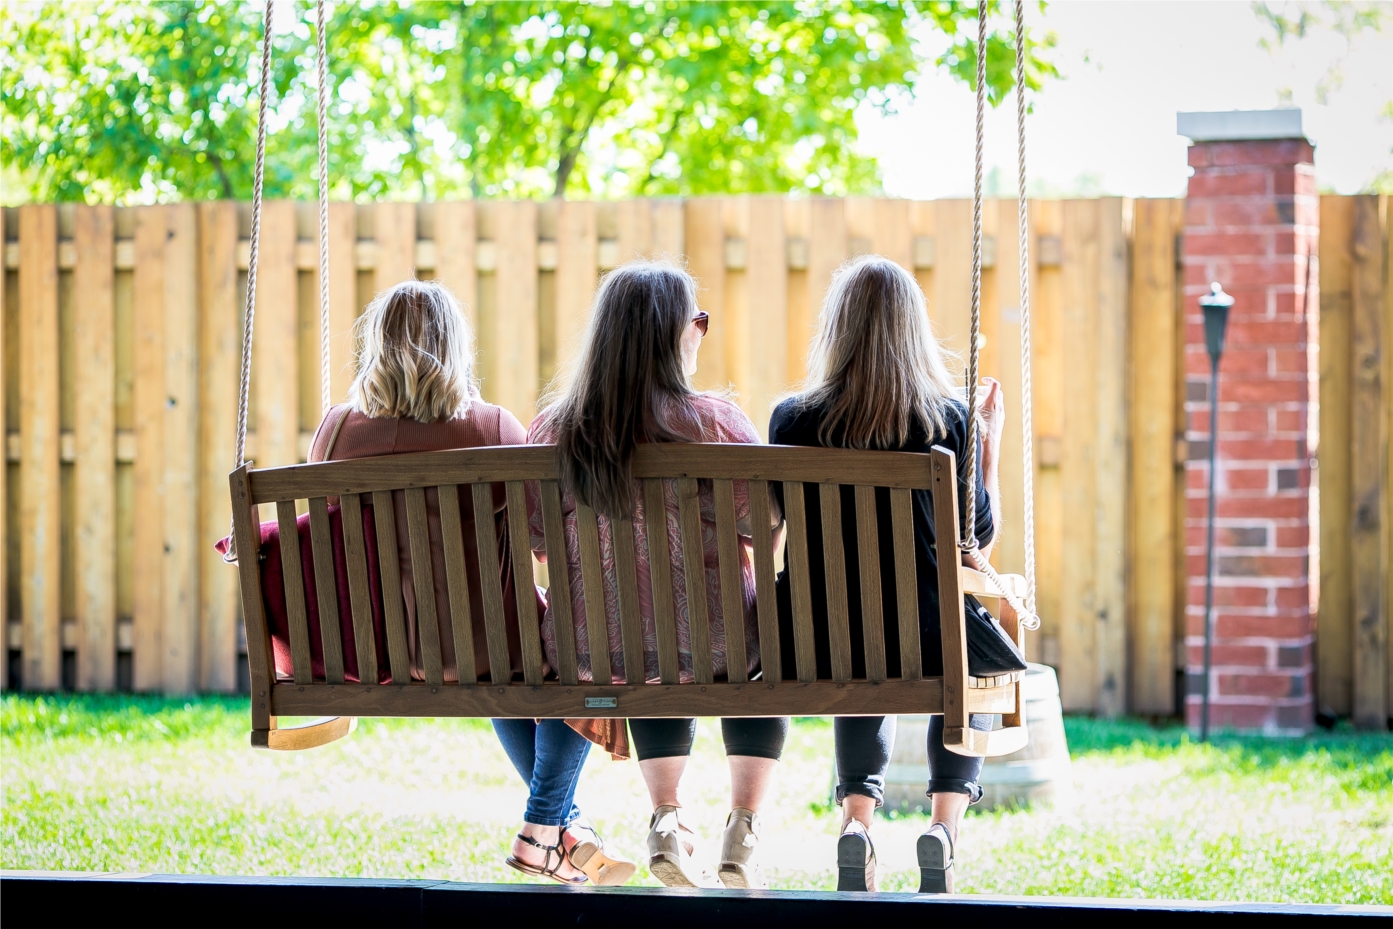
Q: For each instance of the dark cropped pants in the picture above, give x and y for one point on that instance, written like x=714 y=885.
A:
x=758 y=737
x=864 y=744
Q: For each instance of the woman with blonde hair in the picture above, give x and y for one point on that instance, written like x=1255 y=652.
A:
x=878 y=379
x=633 y=385
x=415 y=391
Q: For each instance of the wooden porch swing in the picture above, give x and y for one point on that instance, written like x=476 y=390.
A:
x=361 y=524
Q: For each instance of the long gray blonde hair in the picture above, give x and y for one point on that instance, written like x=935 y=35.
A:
x=415 y=356
x=874 y=364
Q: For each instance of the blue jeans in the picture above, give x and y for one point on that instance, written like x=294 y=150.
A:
x=549 y=755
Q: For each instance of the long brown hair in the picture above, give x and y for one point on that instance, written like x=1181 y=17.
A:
x=874 y=363
x=628 y=385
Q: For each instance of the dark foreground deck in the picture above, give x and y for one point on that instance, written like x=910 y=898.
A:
x=38 y=898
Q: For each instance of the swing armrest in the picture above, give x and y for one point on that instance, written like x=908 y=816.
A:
x=976 y=583
x=310 y=735
x=977 y=744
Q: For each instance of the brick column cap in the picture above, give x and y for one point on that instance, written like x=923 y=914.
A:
x=1240 y=125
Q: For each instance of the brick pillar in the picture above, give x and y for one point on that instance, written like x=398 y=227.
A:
x=1251 y=223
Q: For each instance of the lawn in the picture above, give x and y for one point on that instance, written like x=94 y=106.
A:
x=147 y=784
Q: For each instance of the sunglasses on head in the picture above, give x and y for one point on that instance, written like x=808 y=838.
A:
x=702 y=321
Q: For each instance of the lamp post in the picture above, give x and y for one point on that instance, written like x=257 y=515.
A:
x=1215 y=306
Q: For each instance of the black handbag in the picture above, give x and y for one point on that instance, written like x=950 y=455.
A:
x=990 y=651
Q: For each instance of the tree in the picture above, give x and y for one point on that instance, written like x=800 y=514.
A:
x=111 y=100
x=1293 y=21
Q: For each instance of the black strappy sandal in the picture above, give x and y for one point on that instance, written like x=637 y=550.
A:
x=935 y=850
x=547 y=870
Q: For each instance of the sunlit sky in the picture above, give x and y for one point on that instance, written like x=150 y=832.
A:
x=1128 y=68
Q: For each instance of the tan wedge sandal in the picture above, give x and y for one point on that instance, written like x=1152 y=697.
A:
x=591 y=856
x=670 y=850
x=738 y=868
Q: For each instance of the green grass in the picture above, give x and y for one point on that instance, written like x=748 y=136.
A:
x=146 y=784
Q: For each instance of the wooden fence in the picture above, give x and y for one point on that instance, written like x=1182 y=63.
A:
x=1354 y=651
x=122 y=332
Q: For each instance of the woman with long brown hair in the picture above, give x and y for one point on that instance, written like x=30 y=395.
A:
x=631 y=385
x=877 y=379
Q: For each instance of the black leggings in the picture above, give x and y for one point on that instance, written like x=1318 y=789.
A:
x=757 y=737
x=864 y=744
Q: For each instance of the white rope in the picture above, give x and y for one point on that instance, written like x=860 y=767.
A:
x=1025 y=609
x=969 y=528
x=326 y=393
x=1027 y=413
x=249 y=316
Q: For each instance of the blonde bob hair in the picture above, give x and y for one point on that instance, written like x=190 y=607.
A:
x=415 y=356
x=874 y=364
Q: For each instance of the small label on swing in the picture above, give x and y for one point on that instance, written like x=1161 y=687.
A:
x=601 y=703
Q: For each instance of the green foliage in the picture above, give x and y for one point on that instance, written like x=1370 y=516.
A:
x=110 y=100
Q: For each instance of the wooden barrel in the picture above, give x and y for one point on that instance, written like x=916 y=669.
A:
x=1040 y=772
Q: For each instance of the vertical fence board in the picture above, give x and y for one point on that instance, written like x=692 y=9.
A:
x=732 y=340
x=1004 y=311
x=1077 y=643
x=456 y=232
x=94 y=441
x=40 y=500
x=950 y=303
x=394 y=228
x=1334 y=624
x=1367 y=455
x=343 y=296
x=1110 y=475
x=766 y=289
x=1155 y=339
x=512 y=371
x=1047 y=373
x=890 y=236
x=1387 y=488
x=5 y=393
x=826 y=239
x=577 y=256
x=179 y=572
x=668 y=238
x=275 y=352
x=706 y=259
x=219 y=359
x=634 y=221
x=151 y=231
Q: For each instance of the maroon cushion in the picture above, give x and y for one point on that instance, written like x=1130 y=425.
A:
x=273 y=596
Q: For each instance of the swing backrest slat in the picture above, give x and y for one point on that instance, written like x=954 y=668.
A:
x=660 y=573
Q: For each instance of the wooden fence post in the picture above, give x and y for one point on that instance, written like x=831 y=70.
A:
x=220 y=341
x=1369 y=565
x=151 y=231
x=1154 y=344
x=94 y=444
x=40 y=495
x=1334 y=627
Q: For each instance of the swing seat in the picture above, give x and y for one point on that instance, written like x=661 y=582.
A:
x=320 y=685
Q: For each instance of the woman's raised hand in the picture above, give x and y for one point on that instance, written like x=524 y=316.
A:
x=991 y=407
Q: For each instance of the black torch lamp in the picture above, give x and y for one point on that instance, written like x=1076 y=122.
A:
x=1215 y=305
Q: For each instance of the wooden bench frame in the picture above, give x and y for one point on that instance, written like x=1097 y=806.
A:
x=955 y=694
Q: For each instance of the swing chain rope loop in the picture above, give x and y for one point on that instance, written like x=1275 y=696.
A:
x=1031 y=619
x=326 y=395
x=249 y=315
x=969 y=528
